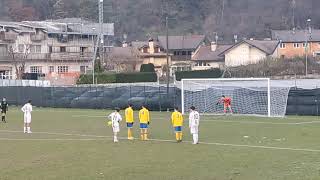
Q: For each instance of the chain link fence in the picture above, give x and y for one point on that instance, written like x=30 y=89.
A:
x=155 y=97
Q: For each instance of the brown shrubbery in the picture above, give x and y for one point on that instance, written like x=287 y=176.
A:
x=275 y=67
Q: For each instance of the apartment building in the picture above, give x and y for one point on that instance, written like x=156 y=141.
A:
x=58 y=50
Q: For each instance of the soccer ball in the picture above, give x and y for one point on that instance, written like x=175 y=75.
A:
x=109 y=123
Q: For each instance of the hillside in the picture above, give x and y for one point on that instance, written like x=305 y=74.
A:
x=139 y=18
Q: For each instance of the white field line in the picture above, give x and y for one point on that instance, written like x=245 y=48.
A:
x=227 y=121
x=44 y=139
x=253 y=122
x=156 y=140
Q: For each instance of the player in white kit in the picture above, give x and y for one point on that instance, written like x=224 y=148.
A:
x=115 y=118
x=194 y=119
x=27 y=109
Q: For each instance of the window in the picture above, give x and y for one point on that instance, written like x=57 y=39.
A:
x=83 y=50
x=145 y=50
x=177 y=53
x=282 y=45
x=35 y=49
x=51 y=69
x=38 y=48
x=21 y=48
x=305 y=45
x=184 y=53
x=63 y=69
x=189 y=52
x=50 y=49
x=63 y=49
x=83 y=69
x=296 y=45
x=35 y=69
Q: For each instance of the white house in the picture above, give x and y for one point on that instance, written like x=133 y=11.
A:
x=208 y=56
x=249 y=52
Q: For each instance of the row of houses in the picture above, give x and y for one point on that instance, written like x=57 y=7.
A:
x=196 y=52
x=63 y=49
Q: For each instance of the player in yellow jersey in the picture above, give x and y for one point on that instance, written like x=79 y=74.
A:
x=177 y=123
x=144 y=118
x=129 y=120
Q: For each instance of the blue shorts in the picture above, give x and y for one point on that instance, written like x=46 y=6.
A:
x=143 y=125
x=129 y=125
x=178 y=128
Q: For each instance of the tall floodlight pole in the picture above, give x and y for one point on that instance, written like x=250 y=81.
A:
x=167 y=45
x=99 y=41
x=101 y=30
x=306 y=46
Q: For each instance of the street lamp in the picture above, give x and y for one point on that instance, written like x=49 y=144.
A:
x=306 y=45
x=93 y=62
x=167 y=49
x=167 y=45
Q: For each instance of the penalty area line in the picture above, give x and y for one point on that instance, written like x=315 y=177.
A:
x=227 y=121
x=97 y=138
x=257 y=122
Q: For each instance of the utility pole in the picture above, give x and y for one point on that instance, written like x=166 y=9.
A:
x=101 y=50
x=99 y=41
x=293 y=6
x=308 y=35
x=167 y=44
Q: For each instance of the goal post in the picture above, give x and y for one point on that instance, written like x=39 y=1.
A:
x=249 y=96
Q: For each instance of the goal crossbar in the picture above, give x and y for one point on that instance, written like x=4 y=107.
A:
x=226 y=80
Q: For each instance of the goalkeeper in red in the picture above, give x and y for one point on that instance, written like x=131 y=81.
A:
x=226 y=103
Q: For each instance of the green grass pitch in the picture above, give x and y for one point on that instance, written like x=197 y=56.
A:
x=73 y=144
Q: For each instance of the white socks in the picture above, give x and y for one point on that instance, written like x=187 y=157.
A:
x=115 y=139
x=27 y=130
x=195 y=138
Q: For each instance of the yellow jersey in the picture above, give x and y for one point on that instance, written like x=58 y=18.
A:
x=129 y=115
x=144 y=116
x=177 y=119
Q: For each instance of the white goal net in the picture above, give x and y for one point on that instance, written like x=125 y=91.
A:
x=249 y=96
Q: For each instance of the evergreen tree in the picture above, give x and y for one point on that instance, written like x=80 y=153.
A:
x=59 y=10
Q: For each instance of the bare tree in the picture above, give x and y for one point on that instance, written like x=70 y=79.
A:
x=19 y=59
x=123 y=62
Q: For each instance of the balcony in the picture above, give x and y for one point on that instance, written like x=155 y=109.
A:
x=72 y=56
x=77 y=56
x=37 y=37
x=7 y=36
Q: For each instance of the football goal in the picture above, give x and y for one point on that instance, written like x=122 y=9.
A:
x=249 y=96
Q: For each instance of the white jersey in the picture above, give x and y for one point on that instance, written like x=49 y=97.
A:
x=27 y=109
x=115 y=119
x=194 y=118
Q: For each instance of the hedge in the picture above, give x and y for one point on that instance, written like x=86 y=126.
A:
x=104 y=78
x=212 y=73
x=147 y=68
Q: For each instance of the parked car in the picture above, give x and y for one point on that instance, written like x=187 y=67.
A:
x=154 y=100
x=61 y=97
x=99 y=98
x=122 y=101
x=86 y=100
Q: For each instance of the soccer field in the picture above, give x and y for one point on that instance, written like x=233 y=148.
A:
x=73 y=144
